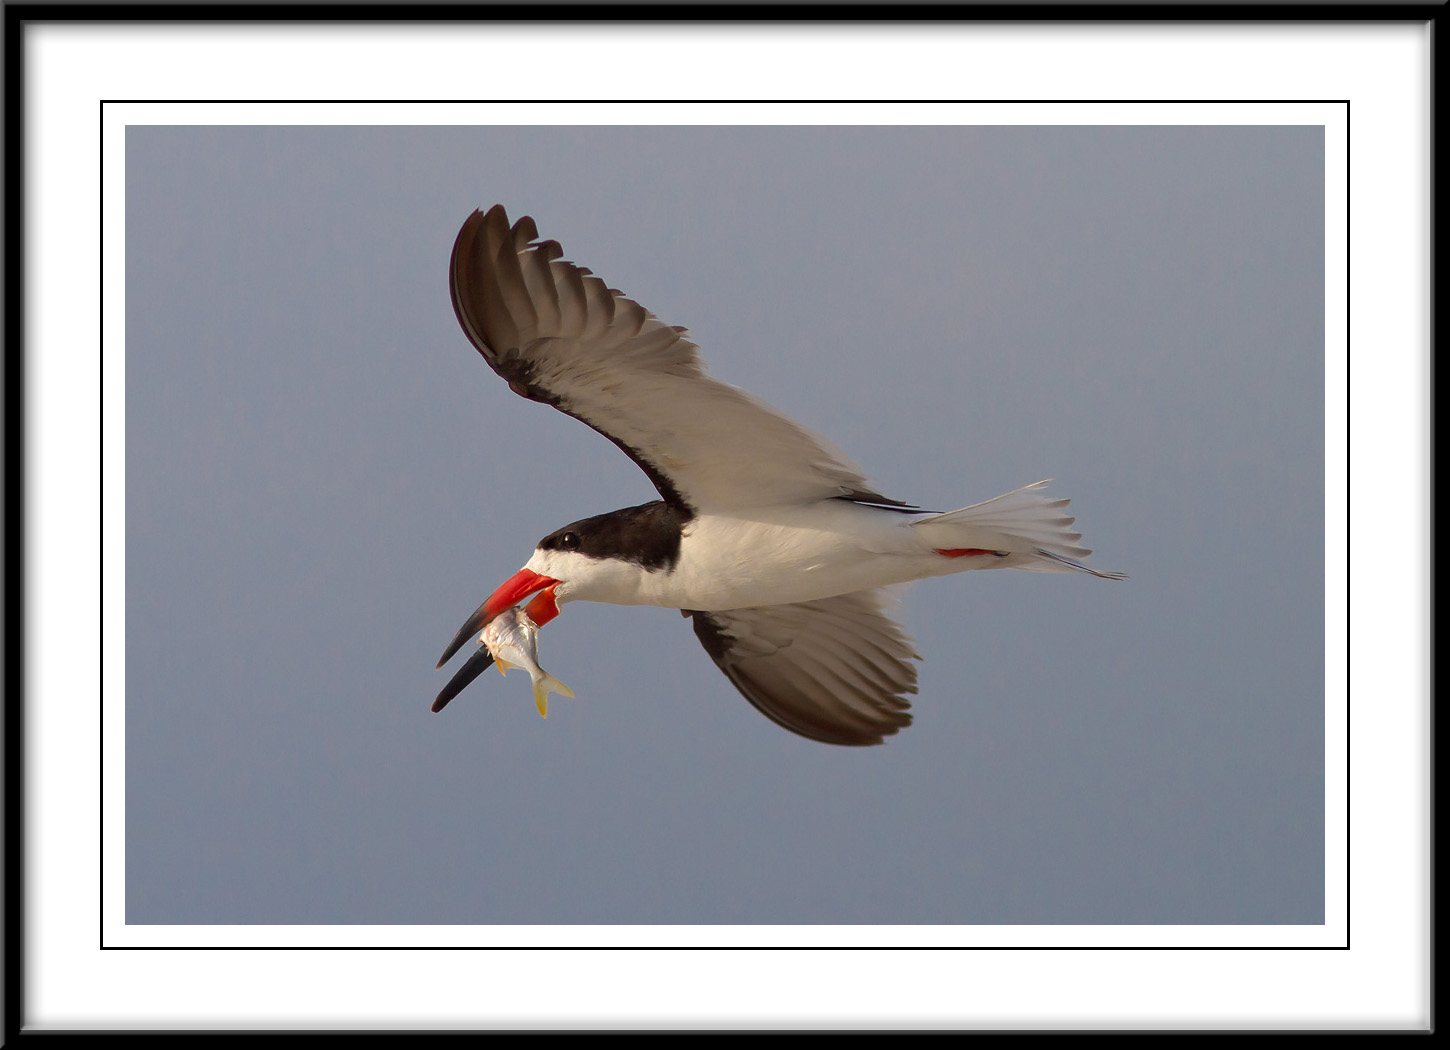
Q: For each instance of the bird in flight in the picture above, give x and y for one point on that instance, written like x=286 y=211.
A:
x=766 y=536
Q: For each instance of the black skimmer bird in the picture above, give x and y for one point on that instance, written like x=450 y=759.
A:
x=765 y=535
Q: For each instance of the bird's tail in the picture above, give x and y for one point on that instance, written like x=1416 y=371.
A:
x=543 y=686
x=1022 y=529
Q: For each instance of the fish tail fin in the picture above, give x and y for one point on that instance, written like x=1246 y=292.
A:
x=547 y=684
x=1022 y=529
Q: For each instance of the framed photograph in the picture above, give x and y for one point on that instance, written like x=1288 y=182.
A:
x=266 y=341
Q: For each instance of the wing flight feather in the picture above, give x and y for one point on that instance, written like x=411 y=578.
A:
x=561 y=336
x=836 y=670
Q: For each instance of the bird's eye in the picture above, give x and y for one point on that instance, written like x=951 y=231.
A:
x=569 y=541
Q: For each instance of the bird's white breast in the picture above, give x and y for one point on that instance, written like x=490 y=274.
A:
x=782 y=555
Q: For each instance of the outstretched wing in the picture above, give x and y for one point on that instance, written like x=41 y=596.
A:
x=559 y=335
x=834 y=670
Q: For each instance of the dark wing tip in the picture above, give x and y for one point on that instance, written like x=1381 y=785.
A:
x=490 y=317
x=525 y=231
x=867 y=498
x=471 y=627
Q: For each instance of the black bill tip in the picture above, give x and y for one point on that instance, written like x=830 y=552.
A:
x=476 y=665
x=475 y=623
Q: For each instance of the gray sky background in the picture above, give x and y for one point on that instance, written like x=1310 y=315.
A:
x=323 y=479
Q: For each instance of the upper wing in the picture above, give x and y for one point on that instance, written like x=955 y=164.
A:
x=833 y=670
x=561 y=336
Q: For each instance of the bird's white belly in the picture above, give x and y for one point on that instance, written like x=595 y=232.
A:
x=774 y=558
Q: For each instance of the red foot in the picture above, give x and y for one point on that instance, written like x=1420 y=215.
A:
x=962 y=552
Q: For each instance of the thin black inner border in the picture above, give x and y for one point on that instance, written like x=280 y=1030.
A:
x=418 y=947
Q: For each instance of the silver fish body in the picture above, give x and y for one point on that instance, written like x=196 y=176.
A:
x=513 y=639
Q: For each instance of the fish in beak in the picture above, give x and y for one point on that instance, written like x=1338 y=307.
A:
x=513 y=639
x=518 y=587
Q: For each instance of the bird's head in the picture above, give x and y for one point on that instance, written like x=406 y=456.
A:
x=602 y=558
x=515 y=589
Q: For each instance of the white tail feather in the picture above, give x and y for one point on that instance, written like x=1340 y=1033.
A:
x=1025 y=528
